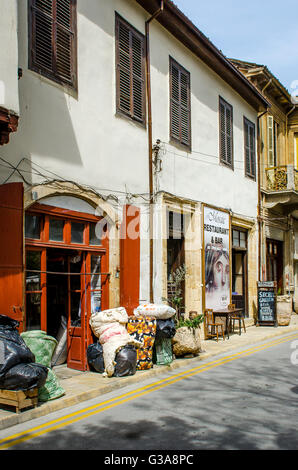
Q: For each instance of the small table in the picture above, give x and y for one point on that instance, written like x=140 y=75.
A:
x=225 y=312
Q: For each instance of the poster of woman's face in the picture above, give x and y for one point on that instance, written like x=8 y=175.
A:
x=217 y=258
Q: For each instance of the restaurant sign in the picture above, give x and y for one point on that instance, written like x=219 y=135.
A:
x=217 y=258
x=267 y=303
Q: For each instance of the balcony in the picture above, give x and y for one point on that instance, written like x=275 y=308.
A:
x=282 y=178
x=281 y=188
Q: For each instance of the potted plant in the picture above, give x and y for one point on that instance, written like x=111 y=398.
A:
x=187 y=340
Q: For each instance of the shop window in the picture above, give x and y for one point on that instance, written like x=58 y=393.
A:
x=239 y=239
x=96 y=283
x=93 y=238
x=33 y=290
x=32 y=226
x=56 y=230
x=77 y=232
x=75 y=268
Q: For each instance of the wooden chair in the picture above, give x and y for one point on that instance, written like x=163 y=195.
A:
x=236 y=317
x=210 y=327
x=230 y=307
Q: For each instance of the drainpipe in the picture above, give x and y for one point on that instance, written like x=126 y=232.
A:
x=150 y=143
x=259 y=197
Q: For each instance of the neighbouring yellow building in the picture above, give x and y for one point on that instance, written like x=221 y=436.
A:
x=278 y=162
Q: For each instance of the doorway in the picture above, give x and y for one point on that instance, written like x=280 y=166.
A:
x=274 y=258
x=67 y=275
x=175 y=259
x=239 y=270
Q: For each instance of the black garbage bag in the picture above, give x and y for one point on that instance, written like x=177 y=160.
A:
x=13 y=349
x=95 y=357
x=126 y=361
x=165 y=328
x=24 y=377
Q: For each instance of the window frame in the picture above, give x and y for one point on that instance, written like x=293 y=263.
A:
x=173 y=138
x=48 y=212
x=120 y=111
x=43 y=71
x=224 y=162
x=252 y=152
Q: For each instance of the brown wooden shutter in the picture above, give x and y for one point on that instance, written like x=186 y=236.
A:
x=180 y=126
x=64 y=38
x=130 y=56
x=53 y=39
x=11 y=252
x=249 y=148
x=226 y=132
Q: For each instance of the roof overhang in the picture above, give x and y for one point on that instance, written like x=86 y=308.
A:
x=267 y=83
x=174 y=21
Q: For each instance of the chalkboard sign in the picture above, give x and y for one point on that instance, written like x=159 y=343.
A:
x=267 y=303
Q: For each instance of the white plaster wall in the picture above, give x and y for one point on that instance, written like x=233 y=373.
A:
x=198 y=175
x=9 y=56
x=80 y=137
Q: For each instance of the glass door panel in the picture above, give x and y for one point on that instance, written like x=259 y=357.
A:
x=35 y=289
x=96 y=288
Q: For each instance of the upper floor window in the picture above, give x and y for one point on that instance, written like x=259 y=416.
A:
x=273 y=132
x=226 y=133
x=180 y=114
x=249 y=148
x=130 y=63
x=52 y=39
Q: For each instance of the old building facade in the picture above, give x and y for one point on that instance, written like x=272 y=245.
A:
x=278 y=180
x=135 y=154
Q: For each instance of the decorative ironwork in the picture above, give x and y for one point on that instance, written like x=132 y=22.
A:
x=277 y=178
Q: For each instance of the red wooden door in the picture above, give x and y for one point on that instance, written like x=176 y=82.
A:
x=130 y=259
x=77 y=308
x=11 y=251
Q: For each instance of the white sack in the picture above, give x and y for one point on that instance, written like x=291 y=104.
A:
x=118 y=315
x=159 y=311
x=109 y=327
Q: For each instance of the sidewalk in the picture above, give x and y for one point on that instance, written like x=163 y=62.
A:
x=81 y=386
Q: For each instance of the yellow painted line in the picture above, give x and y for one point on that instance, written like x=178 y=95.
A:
x=30 y=434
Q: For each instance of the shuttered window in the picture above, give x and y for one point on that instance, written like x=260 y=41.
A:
x=273 y=133
x=130 y=63
x=226 y=133
x=52 y=39
x=249 y=149
x=180 y=114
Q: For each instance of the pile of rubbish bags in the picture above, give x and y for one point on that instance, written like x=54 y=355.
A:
x=127 y=344
x=43 y=347
x=18 y=367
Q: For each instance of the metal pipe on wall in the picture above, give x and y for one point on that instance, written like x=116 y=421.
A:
x=150 y=142
x=260 y=221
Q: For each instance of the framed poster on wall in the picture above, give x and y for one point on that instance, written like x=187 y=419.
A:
x=217 y=258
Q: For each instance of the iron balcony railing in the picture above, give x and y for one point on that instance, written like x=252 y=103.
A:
x=281 y=178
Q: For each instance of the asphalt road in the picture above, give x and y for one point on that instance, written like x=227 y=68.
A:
x=245 y=400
